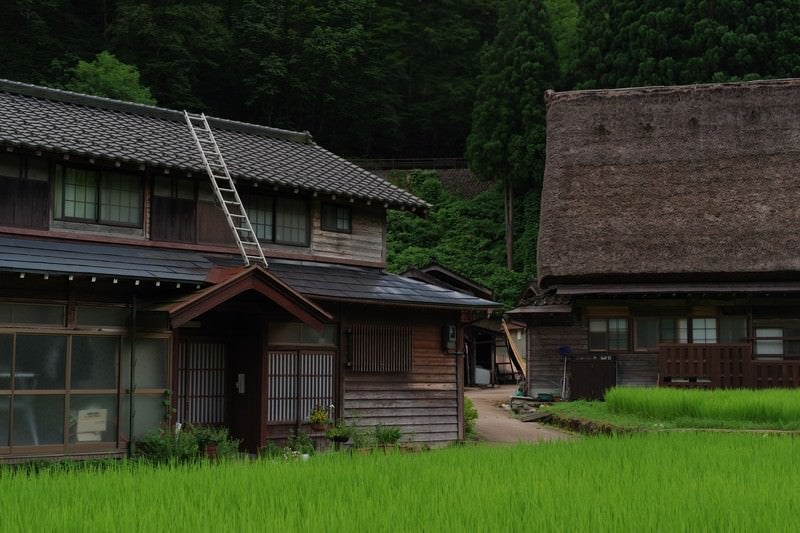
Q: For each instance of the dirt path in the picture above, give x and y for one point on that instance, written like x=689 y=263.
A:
x=496 y=424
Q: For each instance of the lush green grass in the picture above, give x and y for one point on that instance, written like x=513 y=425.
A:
x=654 y=482
x=644 y=408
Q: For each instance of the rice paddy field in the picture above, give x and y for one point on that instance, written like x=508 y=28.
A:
x=643 y=408
x=647 y=482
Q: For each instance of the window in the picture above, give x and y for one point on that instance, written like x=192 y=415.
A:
x=650 y=332
x=279 y=220
x=103 y=197
x=336 y=218
x=608 y=334
x=62 y=389
x=24 y=191
x=50 y=405
x=297 y=333
x=704 y=330
x=777 y=341
x=380 y=348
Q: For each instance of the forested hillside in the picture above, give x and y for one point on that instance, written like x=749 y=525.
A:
x=403 y=78
x=368 y=78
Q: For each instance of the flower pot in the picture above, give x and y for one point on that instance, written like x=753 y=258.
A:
x=340 y=438
x=210 y=450
x=319 y=427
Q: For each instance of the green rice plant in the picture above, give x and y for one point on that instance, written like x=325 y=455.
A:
x=652 y=482
x=768 y=407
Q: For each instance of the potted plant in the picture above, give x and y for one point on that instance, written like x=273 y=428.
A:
x=319 y=418
x=386 y=436
x=339 y=433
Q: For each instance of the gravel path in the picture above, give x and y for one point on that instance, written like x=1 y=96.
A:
x=496 y=424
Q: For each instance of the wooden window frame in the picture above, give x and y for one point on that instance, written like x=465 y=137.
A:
x=607 y=348
x=783 y=338
x=326 y=227
x=61 y=172
x=274 y=202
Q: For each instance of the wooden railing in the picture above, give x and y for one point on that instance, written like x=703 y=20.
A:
x=705 y=365
x=723 y=366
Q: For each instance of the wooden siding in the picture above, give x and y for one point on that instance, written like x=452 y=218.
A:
x=637 y=369
x=424 y=403
x=545 y=364
x=363 y=243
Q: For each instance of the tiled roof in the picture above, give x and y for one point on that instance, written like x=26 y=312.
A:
x=40 y=256
x=368 y=284
x=63 y=122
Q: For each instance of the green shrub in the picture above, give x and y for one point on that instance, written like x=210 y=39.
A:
x=300 y=442
x=386 y=435
x=186 y=444
x=470 y=416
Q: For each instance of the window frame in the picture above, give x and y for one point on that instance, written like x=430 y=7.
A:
x=607 y=321
x=783 y=339
x=326 y=207
x=100 y=176
x=274 y=201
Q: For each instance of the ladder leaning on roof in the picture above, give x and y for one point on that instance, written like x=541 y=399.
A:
x=225 y=190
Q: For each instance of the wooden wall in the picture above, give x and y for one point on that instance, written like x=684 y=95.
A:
x=545 y=336
x=424 y=403
x=364 y=243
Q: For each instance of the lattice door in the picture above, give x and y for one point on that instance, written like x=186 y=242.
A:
x=297 y=381
x=201 y=382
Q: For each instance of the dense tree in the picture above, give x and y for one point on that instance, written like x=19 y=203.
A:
x=507 y=139
x=177 y=46
x=634 y=43
x=109 y=77
x=465 y=235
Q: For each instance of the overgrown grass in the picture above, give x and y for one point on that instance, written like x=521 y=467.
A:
x=656 y=482
x=643 y=408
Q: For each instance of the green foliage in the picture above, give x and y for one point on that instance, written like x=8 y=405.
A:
x=683 y=41
x=470 y=416
x=107 y=76
x=507 y=138
x=465 y=235
x=168 y=445
x=186 y=444
x=177 y=46
x=300 y=442
x=564 y=24
x=386 y=435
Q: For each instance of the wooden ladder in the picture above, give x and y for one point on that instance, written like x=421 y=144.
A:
x=225 y=190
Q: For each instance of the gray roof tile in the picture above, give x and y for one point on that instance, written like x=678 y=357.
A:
x=324 y=280
x=52 y=120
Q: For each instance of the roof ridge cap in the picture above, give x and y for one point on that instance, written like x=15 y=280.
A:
x=552 y=96
x=111 y=104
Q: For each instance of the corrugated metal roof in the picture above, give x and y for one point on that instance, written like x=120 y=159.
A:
x=60 y=121
x=323 y=280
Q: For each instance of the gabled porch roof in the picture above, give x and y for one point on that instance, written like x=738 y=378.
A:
x=254 y=278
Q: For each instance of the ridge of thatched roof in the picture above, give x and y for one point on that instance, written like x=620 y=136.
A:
x=652 y=181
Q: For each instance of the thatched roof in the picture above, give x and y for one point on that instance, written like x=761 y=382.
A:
x=697 y=182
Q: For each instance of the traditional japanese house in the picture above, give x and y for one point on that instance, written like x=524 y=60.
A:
x=125 y=302
x=668 y=243
x=493 y=348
